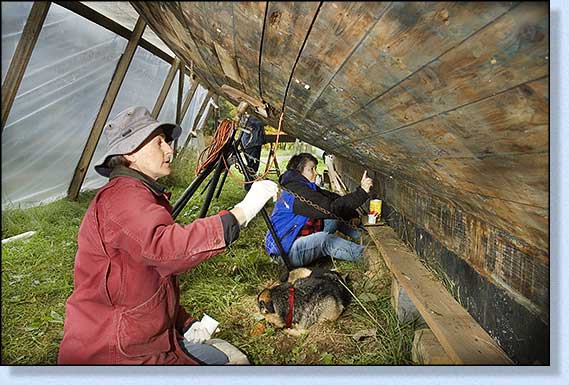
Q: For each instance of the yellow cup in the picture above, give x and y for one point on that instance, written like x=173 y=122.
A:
x=375 y=207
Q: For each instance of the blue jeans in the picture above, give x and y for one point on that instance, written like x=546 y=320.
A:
x=307 y=249
x=333 y=225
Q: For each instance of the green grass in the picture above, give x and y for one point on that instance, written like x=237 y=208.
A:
x=37 y=278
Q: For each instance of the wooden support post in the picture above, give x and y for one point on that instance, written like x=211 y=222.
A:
x=22 y=56
x=185 y=106
x=188 y=99
x=215 y=99
x=198 y=117
x=403 y=306
x=181 y=78
x=165 y=89
x=104 y=111
x=427 y=350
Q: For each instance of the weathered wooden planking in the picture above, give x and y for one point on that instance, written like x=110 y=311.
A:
x=460 y=335
x=514 y=122
x=211 y=26
x=511 y=51
x=336 y=33
x=521 y=178
x=286 y=27
x=496 y=238
x=163 y=18
x=409 y=35
x=186 y=14
x=248 y=20
x=508 y=191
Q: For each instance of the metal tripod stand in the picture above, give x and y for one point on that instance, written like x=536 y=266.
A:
x=217 y=166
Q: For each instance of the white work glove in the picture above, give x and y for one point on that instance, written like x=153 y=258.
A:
x=256 y=198
x=201 y=331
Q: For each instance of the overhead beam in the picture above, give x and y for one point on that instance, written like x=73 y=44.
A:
x=22 y=56
x=98 y=18
x=165 y=88
x=104 y=111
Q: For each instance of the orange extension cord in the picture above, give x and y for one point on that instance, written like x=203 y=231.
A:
x=222 y=135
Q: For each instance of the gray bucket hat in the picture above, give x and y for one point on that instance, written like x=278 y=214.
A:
x=128 y=130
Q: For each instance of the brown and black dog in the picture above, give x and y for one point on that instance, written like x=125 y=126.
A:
x=318 y=295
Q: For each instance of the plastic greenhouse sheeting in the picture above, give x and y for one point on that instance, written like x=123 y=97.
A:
x=12 y=29
x=59 y=97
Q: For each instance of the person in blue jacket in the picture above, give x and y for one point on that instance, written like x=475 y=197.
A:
x=305 y=232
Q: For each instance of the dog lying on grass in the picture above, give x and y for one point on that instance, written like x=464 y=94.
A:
x=307 y=297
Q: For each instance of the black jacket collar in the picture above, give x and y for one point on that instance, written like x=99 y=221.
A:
x=152 y=184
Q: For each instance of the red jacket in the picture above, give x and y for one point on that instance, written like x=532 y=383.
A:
x=125 y=305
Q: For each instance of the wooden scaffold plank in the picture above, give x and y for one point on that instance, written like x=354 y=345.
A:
x=462 y=338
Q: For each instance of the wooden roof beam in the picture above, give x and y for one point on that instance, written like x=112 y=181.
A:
x=105 y=22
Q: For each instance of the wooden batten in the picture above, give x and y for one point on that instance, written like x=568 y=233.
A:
x=198 y=117
x=22 y=56
x=165 y=88
x=180 y=97
x=181 y=79
x=188 y=99
x=104 y=111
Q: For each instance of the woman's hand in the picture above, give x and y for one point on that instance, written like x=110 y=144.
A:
x=366 y=182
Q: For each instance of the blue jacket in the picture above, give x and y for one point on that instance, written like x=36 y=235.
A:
x=290 y=215
x=287 y=224
x=257 y=136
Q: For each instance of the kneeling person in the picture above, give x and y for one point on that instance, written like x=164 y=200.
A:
x=125 y=307
x=305 y=232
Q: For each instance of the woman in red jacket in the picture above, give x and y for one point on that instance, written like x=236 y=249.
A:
x=125 y=306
